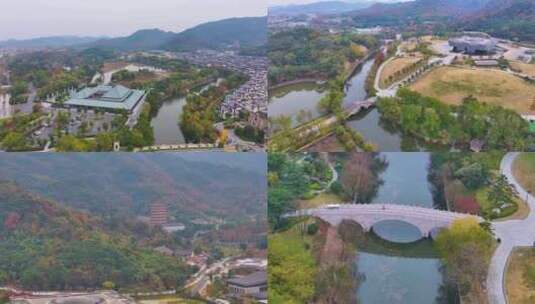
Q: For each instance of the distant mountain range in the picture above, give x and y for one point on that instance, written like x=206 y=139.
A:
x=46 y=42
x=248 y=32
x=510 y=19
x=326 y=7
x=421 y=10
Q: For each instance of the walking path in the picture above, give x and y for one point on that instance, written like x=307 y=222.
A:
x=325 y=157
x=513 y=233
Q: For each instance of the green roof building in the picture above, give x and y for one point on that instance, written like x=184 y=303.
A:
x=108 y=97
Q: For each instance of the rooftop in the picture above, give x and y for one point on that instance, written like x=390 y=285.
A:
x=115 y=97
x=253 y=279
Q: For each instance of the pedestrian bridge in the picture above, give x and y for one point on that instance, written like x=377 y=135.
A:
x=357 y=106
x=427 y=220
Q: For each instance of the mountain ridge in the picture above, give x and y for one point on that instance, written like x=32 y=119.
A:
x=211 y=35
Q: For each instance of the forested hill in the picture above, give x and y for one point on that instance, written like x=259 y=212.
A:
x=510 y=19
x=47 y=42
x=229 y=185
x=403 y=13
x=142 y=40
x=248 y=32
x=44 y=246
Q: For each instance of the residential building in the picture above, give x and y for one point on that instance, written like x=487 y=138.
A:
x=253 y=285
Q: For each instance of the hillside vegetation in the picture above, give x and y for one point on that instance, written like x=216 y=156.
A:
x=45 y=246
x=125 y=184
x=247 y=32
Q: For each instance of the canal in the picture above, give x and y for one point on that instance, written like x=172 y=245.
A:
x=405 y=269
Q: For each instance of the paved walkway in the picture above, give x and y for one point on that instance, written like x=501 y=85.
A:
x=513 y=233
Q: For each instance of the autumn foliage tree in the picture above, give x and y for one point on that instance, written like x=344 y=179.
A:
x=360 y=176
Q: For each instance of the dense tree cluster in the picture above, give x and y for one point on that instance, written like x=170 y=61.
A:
x=200 y=112
x=307 y=53
x=430 y=119
x=290 y=180
x=466 y=249
x=44 y=246
x=470 y=182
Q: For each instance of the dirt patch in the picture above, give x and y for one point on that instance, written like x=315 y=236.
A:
x=112 y=66
x=525 y=68
x=524 y=171
x=452 y=84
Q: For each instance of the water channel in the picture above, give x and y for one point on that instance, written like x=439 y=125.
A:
x=292 y=99
x=405 y=270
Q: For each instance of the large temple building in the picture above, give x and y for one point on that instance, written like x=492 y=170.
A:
x=108 y=97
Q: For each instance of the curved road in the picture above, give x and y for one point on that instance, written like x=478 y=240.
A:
x=513 y=233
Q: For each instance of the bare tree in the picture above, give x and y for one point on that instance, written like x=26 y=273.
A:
x=357 y=176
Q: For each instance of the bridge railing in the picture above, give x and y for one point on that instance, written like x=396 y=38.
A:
x=415 y=209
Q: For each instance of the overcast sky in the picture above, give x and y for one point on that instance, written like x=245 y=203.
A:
x=21 y=19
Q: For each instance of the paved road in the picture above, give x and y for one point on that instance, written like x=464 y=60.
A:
x=513 y=233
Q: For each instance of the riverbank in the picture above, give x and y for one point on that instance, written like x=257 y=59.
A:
x=317 y=81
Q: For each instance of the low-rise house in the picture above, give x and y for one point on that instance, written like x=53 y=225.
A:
x=253 y=285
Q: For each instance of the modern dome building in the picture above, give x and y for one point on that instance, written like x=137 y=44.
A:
x=474 y=43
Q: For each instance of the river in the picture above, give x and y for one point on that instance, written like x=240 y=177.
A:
x=289 y=100
x=401 y=277
x=166 y=123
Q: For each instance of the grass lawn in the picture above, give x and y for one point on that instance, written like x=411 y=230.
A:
x=519 y=211
x=319 y=200
x=453 y=84
x=520 y=276
x=526 y=68
x=524 y=171
x=394 y=66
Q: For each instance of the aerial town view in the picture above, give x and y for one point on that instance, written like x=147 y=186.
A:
x=416 y=75
x=267 y=151
x=201 y=87
x=186 y=228
x=401 y=227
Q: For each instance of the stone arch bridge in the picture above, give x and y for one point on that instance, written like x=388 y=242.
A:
x=427 y=220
